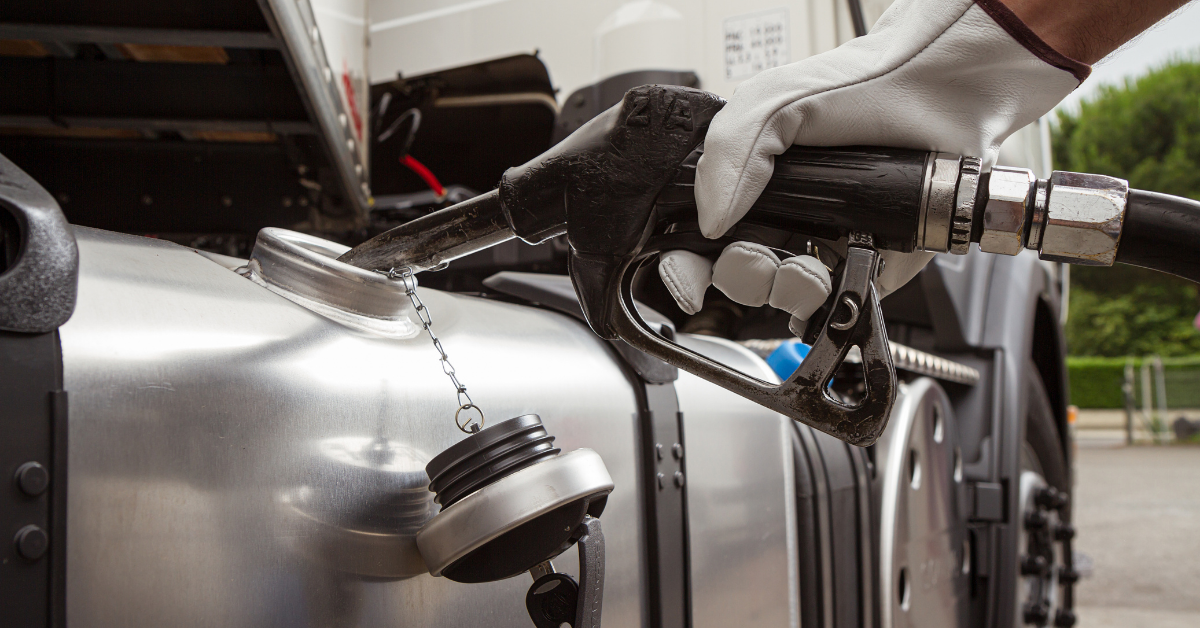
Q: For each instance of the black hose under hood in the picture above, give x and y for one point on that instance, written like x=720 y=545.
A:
x=1162 y=232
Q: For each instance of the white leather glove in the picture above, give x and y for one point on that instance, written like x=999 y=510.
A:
x=946 y=75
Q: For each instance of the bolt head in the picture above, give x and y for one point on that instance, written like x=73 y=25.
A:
x=679 y=479
x=1052 y=498
x=33 y=479
x=1037 y=614
x=1065 y=618
x=1067 y=576
x=31 y=542
x=1033 y=565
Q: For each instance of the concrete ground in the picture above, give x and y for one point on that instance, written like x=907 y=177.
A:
x=1107 y=427
x=1137 y=511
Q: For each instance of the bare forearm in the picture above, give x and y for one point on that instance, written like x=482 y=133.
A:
x=1087 y=30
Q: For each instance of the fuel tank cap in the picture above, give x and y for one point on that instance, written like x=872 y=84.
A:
x=510 y=500
x=304 y=269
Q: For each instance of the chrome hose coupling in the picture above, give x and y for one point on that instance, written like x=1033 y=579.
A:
x=1083 y=219
x=1071 y=217
x=1010 y=191
x=947 y=203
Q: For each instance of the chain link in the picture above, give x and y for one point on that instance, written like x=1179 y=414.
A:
x=405 y=276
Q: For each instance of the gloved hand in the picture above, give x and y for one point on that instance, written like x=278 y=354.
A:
x=948 y=75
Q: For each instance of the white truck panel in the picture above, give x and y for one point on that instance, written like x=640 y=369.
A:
x=583 y=42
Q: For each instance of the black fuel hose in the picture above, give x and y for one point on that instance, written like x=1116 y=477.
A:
x=1161 y=232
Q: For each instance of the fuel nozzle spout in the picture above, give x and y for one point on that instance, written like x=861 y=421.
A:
x=434 y=240
x=598 y=186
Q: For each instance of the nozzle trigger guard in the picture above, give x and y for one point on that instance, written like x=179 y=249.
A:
x=854 y=319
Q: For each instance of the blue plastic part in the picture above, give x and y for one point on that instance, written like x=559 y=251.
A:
x=787 y=358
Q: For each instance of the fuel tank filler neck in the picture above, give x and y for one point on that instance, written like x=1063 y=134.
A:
x=305 y=270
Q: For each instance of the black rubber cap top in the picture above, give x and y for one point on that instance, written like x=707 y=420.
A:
x=483 y=458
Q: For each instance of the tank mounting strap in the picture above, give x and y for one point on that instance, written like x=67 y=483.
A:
x=33 y=457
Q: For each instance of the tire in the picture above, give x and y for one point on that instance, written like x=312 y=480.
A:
x=1043 y=448
x=1043 y=463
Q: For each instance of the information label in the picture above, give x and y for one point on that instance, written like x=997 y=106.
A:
x=755 y=42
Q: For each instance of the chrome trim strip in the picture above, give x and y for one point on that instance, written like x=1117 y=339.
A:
x=926 y=184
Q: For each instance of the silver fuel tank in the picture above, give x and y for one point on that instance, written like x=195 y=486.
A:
x=242 y=454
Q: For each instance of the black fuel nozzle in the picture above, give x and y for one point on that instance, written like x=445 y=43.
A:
x=621 y=188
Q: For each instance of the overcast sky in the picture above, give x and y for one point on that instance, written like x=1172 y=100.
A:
x=1176 y=36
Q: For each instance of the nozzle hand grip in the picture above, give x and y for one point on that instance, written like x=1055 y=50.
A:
x=827 y=193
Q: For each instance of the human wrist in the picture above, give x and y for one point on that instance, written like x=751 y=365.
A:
x=1087 y=30
x=1041 y=36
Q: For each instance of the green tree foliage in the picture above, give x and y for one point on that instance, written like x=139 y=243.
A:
x=1131 y=311
x=1146 y=131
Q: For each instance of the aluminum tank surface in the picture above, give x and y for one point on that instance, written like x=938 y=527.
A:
x=239 y=460
x=741 y=499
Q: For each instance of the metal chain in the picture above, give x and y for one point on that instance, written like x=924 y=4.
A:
x=405 y=276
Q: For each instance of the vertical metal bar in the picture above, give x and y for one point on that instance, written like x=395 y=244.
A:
x=1000 y=538
x=293 y=23
x=1160 y=389
x=867 y=571
x=58 y=510
x=1130 y=401
x=857 y=18
x=1147 y=400
x=666 y=515
x=821 y=499
x=32 y=430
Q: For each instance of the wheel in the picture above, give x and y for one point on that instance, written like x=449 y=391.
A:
x=1042 y=448
x=1044 y=485
x=924 y=555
